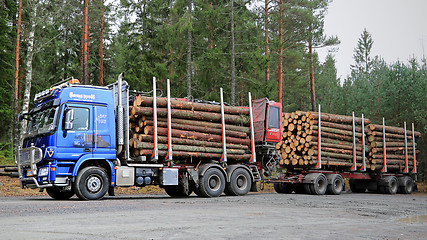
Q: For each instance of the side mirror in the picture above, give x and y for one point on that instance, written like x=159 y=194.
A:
x=69 y=117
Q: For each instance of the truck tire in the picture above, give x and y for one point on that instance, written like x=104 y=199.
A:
x=316 y=183
x=176 y=191
x=283 y=188
x=307 y=188
x=388 y=185
x=335 y=184
x=57 y=194
x=240 y=183
x=212 y=183
x=91 y=183
x=406 y=185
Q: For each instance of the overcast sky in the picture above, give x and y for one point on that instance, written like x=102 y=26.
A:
x=398 y=29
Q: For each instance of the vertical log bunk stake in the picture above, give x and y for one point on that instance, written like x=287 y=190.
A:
x=155 y=155
x=224 y=147
x=406 y=170
x=384 y=169
x=414 y=170
x=168 y=157
x=363 y=168
x=354 y=168
x=253 y=158
x=319 y=142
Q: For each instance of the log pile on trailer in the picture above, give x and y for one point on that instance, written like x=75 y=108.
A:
x=300 y=140
x=338 y=141
x=392 y=148
x=196 y=129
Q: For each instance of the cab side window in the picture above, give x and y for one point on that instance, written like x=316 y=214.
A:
x=80 y=120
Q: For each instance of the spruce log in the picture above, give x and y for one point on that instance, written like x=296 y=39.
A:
x=396 y=130
x=388 y=135
x=184 y=105
x=192 y=115
x=188 y=155
x=340 y=126
x=374 y=167
x=186 y=148
x=184 y=141
x=198 y=129
x=197 y=135
x=336 y=136
x=379 y=144
x=337 y=155
x=338 y=131
x=342 y=146
x=327 y=117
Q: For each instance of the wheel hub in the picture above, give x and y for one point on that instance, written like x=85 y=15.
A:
x=94 y=184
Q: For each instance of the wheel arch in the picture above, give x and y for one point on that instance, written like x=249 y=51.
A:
x=203 y=168
x=103 y=163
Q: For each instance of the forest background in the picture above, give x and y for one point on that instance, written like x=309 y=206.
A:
x=264 y=47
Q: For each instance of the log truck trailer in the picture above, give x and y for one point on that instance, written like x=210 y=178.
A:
x=77 y=142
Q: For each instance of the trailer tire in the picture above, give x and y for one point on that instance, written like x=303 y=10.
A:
x=57 y=194
x=406 y=185
x=212 y=183
x=316 y=182
x=176 y=191
x=91 y=183
x=389 y=184
x=283 y=188
x=307 y=188
x=240 y=183
x=335 y=184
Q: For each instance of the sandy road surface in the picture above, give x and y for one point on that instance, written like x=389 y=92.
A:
x=255 y=216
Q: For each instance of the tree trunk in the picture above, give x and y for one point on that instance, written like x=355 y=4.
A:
x=280 y=67
x=101 y=48
x=313 y=93
x=86 y=43
x=192 y=115
x=189 y=155
x=233 y=59
x=177 y=104
x=189 y=45
x=16 y=141
x=29 y=66
x=267 y=71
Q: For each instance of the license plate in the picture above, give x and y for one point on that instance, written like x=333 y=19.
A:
x=29 y=173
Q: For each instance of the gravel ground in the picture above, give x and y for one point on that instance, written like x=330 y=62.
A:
x=255 y=216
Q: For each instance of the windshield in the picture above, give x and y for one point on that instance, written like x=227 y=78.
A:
x=42 y=121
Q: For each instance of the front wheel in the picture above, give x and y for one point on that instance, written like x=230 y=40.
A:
x=57 y=194
x=91 y=183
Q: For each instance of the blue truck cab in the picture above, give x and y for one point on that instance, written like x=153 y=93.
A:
x=72 y=127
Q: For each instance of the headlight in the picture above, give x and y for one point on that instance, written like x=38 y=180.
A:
x=43 y=171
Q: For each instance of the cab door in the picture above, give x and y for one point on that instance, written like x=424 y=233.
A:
x=274 y=122
x=75 y=132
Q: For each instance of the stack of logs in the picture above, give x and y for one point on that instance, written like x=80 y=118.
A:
x=299 y=144
x=196 y=130
x=395 y=147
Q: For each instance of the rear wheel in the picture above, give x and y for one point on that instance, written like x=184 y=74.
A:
x=406 y=185
x=212 y=183
x=91 y=183
x=317 y=183
x=240 y=183
x=335 y=184
x=388 y=184
x=58 y=194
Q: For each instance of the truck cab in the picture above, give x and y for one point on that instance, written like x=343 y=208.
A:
x=69 y=129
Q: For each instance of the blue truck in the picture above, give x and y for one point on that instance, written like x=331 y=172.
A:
x=78 y=143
